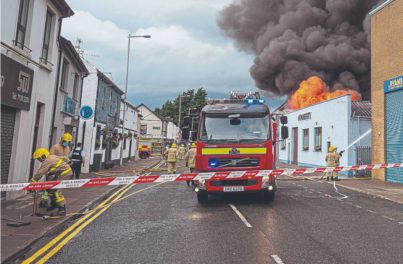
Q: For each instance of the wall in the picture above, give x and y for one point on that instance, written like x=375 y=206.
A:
x=386 y=63
x=43 y=88
x=335 y=128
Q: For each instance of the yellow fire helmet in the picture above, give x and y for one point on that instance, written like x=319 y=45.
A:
x=332 y=148
x=193 y=145
x=67 y=137
x=40 y=152
x=173 y=145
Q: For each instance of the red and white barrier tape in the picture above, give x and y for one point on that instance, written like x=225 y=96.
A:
x=113 y=181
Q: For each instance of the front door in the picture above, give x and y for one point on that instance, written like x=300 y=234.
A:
x=295 y=145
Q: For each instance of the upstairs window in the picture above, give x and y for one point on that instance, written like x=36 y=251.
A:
x=65 y=75
x=46 y=37
x=22 y=24
x=76 y=88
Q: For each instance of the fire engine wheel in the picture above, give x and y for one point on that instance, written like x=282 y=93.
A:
x=268 y=196
x=202 y=197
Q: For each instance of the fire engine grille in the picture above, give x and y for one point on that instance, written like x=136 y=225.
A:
x=233 y=182
x=238 y=163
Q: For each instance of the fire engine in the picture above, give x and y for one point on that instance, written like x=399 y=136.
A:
x=237 y=134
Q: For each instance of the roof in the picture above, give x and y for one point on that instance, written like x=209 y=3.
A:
x=71 y=52
x=108 y=81
x=235 y=108
x=63 y=7
x=158 y=116
x=379 y=7
x=361 y=109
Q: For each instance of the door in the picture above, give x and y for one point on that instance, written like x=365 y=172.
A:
x=295 y=145
x=130 y=148
x=394 y=134
x=7 y=133
x=35 y=139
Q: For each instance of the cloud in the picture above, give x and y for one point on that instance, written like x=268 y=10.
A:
x=175 y=59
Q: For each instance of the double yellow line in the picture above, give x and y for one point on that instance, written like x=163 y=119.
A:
x=61 y=240
x=72 y=231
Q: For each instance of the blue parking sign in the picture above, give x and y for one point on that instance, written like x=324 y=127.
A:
x=86 y=112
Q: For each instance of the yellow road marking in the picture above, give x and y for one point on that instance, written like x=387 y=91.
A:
x=75 y=232
x=65 y=232
x=226 y=151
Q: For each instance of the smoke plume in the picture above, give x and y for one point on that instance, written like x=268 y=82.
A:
x=295 y=39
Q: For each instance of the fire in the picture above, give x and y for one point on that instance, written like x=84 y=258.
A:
x=314 y=90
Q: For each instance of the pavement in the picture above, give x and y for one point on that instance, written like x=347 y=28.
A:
x=381 y=189
x=308 y=222
x=15 y=240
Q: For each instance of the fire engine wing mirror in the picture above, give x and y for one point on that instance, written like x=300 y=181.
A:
x=186 y=121
x=283 y=120
x=185 y=133
x=284 y=132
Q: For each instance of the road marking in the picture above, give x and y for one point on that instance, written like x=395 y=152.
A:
x=277 y=259
x=372 y=212
x=240 y=215
x=400 y=223
x=357 y=206
x=22 y=207
x=390 y=218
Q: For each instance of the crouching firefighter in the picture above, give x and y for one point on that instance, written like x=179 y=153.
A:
x=55 y=168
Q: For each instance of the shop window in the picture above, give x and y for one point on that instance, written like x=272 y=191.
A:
x=305 y=139
x=318 y=138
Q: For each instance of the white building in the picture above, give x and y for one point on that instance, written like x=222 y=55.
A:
x=314 y=129
x=152 y=126
x=29 y=64
x=69 y=89
x=172 y=131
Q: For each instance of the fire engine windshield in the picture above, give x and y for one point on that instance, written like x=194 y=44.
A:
x=234 y=128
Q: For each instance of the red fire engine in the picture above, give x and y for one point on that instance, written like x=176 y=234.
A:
x=237 y=134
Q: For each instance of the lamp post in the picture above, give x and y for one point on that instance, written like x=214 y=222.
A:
x=125 y=95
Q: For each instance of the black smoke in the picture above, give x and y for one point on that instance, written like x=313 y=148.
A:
x=295 y=39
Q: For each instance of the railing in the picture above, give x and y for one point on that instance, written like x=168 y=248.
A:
x=70 y=106
x=363 y=157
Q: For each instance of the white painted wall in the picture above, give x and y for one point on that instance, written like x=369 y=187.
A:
x=154 y=123
x=172 y=130
x=334 y=116
x=43 y=89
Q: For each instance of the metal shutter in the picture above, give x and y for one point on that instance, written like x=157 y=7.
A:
x=394 y=134
x=7 y=133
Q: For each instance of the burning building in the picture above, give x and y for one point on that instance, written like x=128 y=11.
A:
x=338 y=121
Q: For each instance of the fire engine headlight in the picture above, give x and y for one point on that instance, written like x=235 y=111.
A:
x=265 y=181
x=270 y=188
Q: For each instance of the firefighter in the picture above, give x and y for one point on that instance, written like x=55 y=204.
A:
x=172 y=156
x=77 y=156
x=191 y=160
x=55 y=168
x=332 y=160
x=62 y=149
x=182 y=152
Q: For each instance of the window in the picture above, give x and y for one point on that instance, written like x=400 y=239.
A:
x=75 y=87
x=98 y=138
x=143 y=129
x=124 y=142
x=104 y=99
x=305 y=139
x=65 y=75
x=318 y=138
x=46 y=37
x=110 y=103
x=22 y=24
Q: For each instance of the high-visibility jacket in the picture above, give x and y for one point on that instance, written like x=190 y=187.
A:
x=191 y=158
x=59 y=150
x=55 y=168
x=332 y=159
x=172 y=154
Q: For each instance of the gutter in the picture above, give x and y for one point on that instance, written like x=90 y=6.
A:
x=381 y=6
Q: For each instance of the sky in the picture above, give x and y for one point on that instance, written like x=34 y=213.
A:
x=186 y=50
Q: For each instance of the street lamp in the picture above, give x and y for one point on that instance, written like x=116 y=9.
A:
x=125 y=95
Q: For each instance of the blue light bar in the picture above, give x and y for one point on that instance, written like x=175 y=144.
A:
x=253 y=101
x=213 y=163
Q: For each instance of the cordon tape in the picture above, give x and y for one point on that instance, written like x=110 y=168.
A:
x=113 y=181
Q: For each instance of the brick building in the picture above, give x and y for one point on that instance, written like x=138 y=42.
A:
x=387 y=88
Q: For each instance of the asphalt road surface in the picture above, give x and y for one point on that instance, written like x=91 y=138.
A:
x=307 y=223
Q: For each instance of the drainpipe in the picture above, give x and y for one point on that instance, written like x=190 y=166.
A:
x=59 y=59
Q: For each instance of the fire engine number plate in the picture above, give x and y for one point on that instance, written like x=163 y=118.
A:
x=233 y=189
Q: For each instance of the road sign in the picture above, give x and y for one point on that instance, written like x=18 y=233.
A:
x=86 y=112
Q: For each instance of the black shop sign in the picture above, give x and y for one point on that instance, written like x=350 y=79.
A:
x=16 y=84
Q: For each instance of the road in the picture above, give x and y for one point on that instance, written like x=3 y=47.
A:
x=307 y=223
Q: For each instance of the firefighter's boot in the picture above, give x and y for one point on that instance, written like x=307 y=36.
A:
x=62 y=210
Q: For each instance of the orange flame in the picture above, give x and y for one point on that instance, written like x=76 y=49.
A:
x=314 y=90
